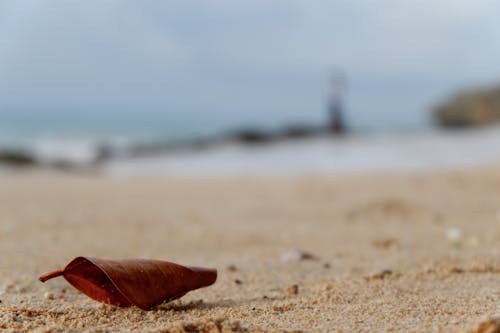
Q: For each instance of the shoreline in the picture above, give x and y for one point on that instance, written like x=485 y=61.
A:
x=442 y=150
x=439 y=150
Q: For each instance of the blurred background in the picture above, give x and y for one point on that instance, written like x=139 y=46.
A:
x=225 y=86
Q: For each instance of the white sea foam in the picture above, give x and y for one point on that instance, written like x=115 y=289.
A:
x=74 y=150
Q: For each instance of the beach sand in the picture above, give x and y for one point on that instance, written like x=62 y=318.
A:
x=396 y=252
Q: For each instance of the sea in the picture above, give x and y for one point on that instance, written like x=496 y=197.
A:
x=396 y=145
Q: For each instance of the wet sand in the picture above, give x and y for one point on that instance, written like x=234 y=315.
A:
x=396 y=252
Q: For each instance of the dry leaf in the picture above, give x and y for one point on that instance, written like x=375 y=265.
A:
x=140 y=282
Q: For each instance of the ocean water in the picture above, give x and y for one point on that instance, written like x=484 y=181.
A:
x=76 y=136
x=101 y=126
x=398 y=145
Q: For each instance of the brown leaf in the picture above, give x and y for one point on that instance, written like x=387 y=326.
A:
x=140 y=282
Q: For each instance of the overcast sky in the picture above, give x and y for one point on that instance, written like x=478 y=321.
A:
x=250 y=58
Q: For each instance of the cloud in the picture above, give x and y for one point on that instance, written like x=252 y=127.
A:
x=254 y=57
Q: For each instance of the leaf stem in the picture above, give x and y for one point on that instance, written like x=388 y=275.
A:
x=51 y=275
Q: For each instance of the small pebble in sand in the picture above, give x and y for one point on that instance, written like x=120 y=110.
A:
x=48 y=295
x=457 y=270
x=386 y=273
x=6 y=288
x=62 y=294
x=293 y=290
x=294 y=255
x=238 y=281
x=232 y=268
x=386 y=244
x=454 y=234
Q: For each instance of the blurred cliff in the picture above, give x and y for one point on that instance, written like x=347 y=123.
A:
x=470 y=108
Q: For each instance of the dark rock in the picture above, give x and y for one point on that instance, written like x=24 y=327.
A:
x=470 y=109
x=251 y=136
x=16 y=158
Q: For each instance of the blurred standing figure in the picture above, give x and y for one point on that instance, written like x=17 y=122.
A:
x=335 y=103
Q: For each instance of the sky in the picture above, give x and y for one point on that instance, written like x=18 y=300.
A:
x=244 y=59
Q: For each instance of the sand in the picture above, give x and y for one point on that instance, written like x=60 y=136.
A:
x=413 y=252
